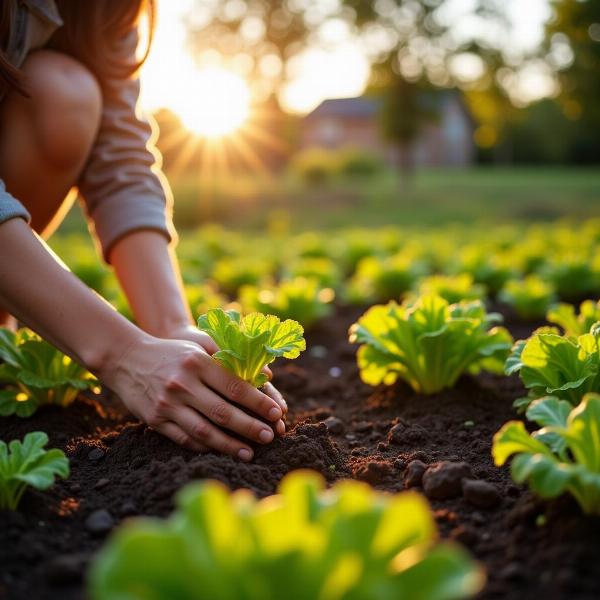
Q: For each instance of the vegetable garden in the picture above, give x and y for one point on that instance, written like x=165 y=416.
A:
x=443 y=434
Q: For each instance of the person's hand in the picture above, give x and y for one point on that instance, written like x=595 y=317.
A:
x=193 y=334
x=179 y=390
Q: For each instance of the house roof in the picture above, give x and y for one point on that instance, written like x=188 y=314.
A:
x=366 y=107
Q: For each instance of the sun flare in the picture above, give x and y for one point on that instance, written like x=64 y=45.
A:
x=216 y=104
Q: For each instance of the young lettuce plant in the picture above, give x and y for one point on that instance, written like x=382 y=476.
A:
x=299 y=299
x=453 y=288
x=429 y=343
x=247 y=344
x=530 y=297
x=25 y=464
x=305 y=543
x=562 y=456
x=35 y=373
x=575 y=325
x=552 y=364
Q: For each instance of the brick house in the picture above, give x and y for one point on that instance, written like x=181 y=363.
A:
x=445 y=142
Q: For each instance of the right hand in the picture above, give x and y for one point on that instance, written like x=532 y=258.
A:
x=178 y=389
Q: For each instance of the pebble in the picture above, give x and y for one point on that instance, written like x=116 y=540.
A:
x=374 y=472
x=318 y=351
x=414 y=473
x=96 y=454
x=481 y=493
x=128 y=508
x=335 y=372
x=406 y=434
x=66 y=568
x=334 y=425
x=363 y=426
x=99 y=522
x=443 y=480
x=75 y=487
x=101 y=483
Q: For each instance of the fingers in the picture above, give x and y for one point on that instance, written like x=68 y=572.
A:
x=236 y=390
x=222 y=413
x=267 y=371
x=205 y=433
x=270 y=390
x=208 y=343
x=180 y=437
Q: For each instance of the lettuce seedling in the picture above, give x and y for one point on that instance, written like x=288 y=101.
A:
x=299 y=299
x=453 y=288
x=429 y=343
x=305 y=543
x=35 y=373
x=530 y=297
x=573 y=275
x=247 y=344
x=552 y=364
x=562 y=456
x=575 y=325
x=25 y=464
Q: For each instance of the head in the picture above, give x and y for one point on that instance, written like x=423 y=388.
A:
x=88 y=33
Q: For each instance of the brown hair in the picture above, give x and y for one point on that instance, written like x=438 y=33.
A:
x=89 y=34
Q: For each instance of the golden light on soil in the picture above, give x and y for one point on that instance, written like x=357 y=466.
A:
x=217 y=103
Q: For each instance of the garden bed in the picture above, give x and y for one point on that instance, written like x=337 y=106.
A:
x=338 y=426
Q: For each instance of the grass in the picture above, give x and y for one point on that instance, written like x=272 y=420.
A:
x=432 y=197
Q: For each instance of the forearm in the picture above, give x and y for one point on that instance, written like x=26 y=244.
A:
x=147 y=270
x=47 y=297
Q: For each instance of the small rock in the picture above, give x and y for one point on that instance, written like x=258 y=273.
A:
x=382 y=446
x=75 y=487
x=318 y=351
x=374 y=472
x=406 y=434
x=414 y=473
x=99 y=522
x=334 y=425
x=335 y=372
x=66 y=568
x=443 y=480
x=363 y=426
x=350 y=436
x=96 y=454
x=128 y=508
x=101 y=483
x=481 y=493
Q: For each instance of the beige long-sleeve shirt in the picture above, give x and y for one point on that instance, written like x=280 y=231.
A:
x=121 y=184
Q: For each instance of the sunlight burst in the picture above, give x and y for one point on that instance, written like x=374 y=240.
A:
x=216 y=104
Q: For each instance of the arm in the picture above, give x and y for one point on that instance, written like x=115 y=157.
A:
x=173 y=385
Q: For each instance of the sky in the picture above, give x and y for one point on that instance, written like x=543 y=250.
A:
x=169 y=79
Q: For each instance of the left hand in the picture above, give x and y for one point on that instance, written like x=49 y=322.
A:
x=191 y=333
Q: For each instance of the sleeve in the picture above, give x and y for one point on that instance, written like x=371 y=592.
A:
x=122 y=186
x=10 y=207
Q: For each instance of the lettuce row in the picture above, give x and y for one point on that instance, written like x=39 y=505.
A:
x=35 y=373
x=428 y=343
x=575 y=325
x=552 y=364
x=530 y=297
x=562 y=456
x=247 y=344
x=25 y=464
x=305 y=543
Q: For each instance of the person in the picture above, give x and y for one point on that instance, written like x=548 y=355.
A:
x=69 y=125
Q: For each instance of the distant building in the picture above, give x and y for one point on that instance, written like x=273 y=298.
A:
x=444 y=142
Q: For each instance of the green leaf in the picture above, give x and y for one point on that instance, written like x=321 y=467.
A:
x=250 y=343
x=562 y=456
x=304 y=543
x=428 y=343
x=25 y=464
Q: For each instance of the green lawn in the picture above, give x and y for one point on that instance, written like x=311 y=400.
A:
x=433 y=197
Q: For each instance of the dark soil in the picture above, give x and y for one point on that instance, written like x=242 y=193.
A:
x=337 y=426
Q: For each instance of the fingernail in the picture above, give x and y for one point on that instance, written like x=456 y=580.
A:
x=274 y=413
x=281 y=428
x=245 y=454
x=265 y=436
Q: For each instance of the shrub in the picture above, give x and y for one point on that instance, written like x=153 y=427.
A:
x=36 y=373
x=356 y=162
x=562 y=456
x=25 y=464
x=314 y=165
x=305 y=543
x=429 y=343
